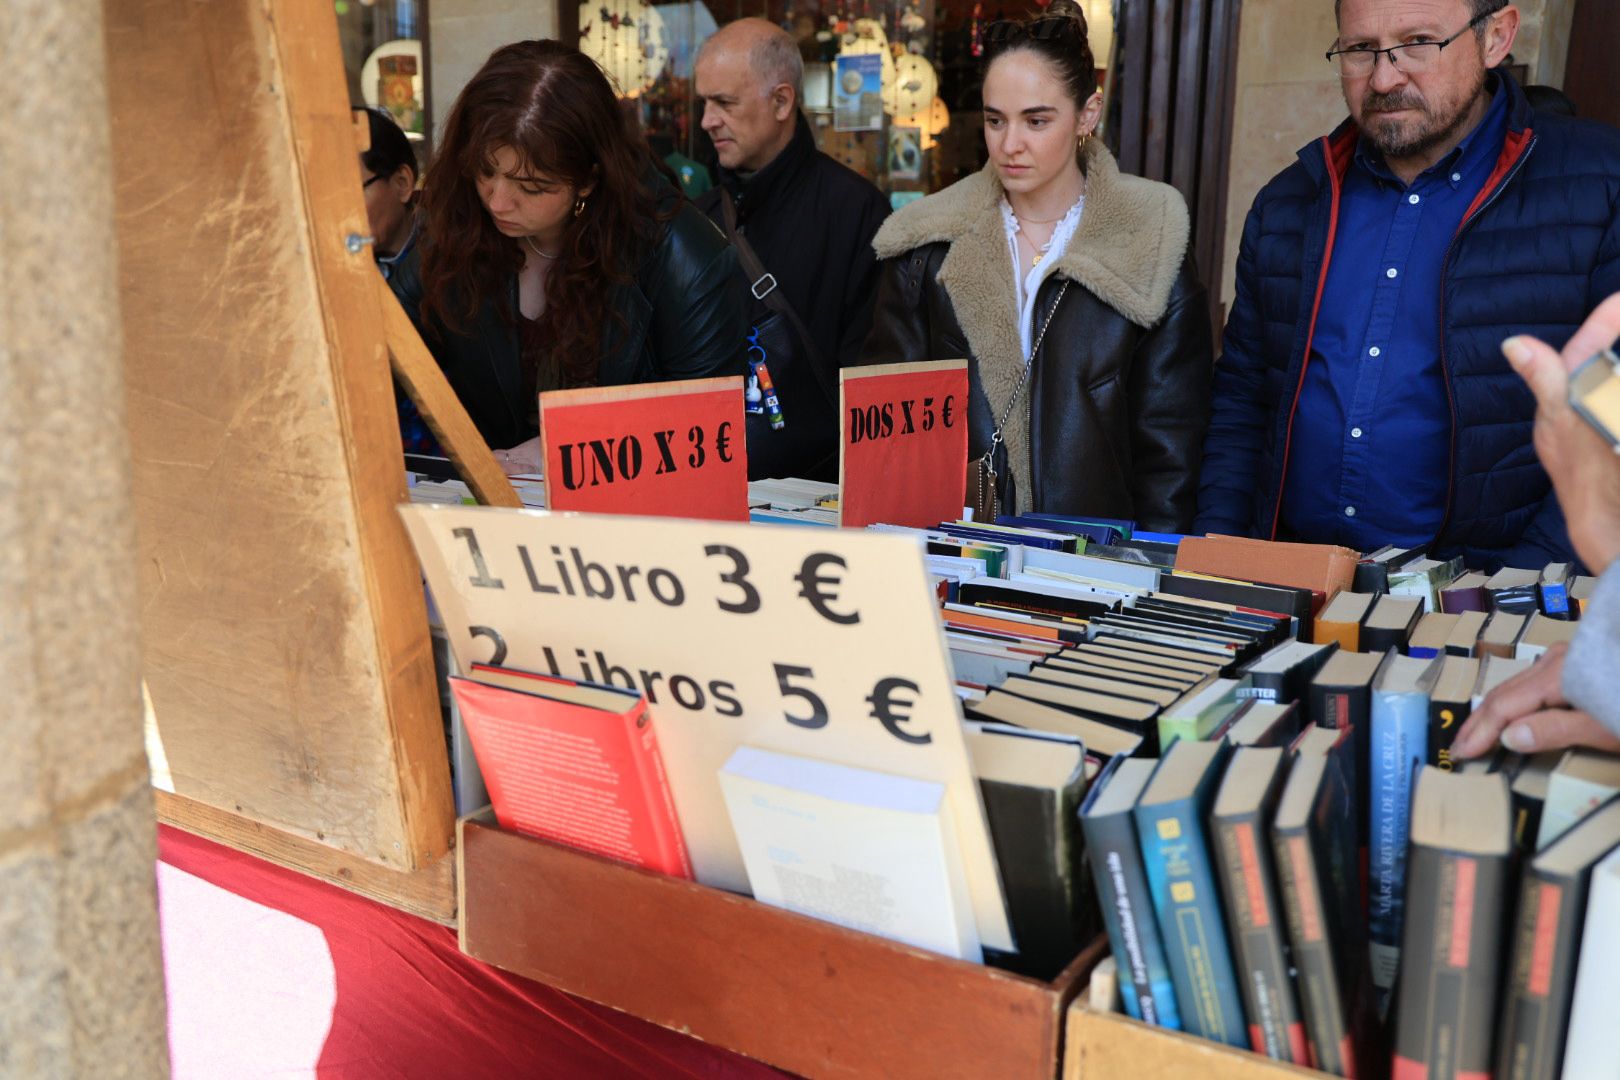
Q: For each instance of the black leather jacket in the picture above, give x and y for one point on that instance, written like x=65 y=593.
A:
x=683 y=318
x=1118 y=396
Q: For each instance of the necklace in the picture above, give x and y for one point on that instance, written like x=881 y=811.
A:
x=1040 y=252
x=536 y=249
x=1039 y=221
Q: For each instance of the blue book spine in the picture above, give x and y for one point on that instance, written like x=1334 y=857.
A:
x=1127 y=907
x=1181 y=878
x=1399 y=745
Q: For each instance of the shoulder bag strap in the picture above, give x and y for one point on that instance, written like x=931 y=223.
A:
x=763 y=288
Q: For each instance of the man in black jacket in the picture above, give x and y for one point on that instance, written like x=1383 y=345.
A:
x=809 y=219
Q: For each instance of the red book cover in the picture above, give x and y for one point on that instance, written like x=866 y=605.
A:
x=573 y=763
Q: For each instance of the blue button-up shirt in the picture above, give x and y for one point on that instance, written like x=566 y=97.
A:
x=1370 y=458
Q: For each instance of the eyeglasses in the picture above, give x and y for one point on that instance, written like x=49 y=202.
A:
x=373 y=180
x=1046 y=28
x=1412 y=59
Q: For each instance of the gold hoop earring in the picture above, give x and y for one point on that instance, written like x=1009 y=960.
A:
x=579 y=206
x=1084 y=138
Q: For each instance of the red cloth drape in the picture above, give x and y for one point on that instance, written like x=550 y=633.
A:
x=272 y=973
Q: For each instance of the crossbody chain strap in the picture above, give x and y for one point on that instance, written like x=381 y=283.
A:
x=996 y=436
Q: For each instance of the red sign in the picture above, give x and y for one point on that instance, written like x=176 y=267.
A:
x=674 y=449
x=905 y=446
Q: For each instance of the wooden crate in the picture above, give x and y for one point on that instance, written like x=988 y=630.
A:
x=798 y=993
x=1102 y=1046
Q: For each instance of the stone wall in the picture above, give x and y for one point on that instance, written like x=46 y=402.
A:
x=81 y=971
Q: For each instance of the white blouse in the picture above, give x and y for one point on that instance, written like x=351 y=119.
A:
x=1026 y=289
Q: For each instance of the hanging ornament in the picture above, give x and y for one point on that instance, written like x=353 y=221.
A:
x=976 y=31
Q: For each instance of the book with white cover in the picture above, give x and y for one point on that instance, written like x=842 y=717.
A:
x=1583 y=781
x=1589 y=1048
x=868 y=850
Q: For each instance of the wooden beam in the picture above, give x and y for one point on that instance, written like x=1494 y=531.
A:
x=419 y=374
x=305 y=32
x=428 y=892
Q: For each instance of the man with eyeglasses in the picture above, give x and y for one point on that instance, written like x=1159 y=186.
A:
x=1362 y=397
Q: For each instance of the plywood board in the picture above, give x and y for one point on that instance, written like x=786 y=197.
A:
x=287 y=652
x=1102 y=1046
x=799 y=993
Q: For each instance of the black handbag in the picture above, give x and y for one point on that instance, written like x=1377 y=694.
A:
x=802 y=446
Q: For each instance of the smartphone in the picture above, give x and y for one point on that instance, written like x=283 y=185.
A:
x=1594 y=392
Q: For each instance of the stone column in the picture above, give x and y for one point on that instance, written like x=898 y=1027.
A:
x=81 y=973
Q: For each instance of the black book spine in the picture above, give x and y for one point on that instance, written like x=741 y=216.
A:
x=1379 y=639
x=1255 y=921
x=1526 y=820
x=1350 y=707
x=1037 y=874
x=1445 y=718
x=1127 y=909
x=1451 y=954
x=1546 y=947
x=1311 y=936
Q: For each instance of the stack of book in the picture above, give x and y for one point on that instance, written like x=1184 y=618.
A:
x=1233 y=756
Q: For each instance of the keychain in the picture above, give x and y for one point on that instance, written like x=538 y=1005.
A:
x=759 y=394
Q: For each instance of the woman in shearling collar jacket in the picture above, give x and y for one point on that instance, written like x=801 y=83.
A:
x=1102 y=307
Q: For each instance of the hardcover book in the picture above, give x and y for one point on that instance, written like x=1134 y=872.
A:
x=1399 y=746
x=1199 y=713
x=1032 y=789
x=1243 y=808
x=1170 y=818
x=1000 y=707
x=1313 y=840
x=1430 y=637
x=1284 y=673
x=1466 y=593
x=1262 y=723
x=1424 y=578
x=1501 y=634
x=1452 y=943
x=574 y=763
x=1340 y=621
x=1450 y=704
x=1464 y=637
x=1514 y=590
x=1108 y=820
x=1341 y=697
x=1582 y=781
x=1391 y=623
x=1546 y=945
x=1553 y=590
x=1589 y=1049
x=1541 y=633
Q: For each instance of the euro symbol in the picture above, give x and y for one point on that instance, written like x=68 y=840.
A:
x=945 y=411
x=891 y=713
x=722 y=442
x=822 y=590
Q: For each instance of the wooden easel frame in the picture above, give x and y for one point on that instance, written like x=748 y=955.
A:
x=261 y=736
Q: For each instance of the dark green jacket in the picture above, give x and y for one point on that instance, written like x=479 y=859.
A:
x=683 y=318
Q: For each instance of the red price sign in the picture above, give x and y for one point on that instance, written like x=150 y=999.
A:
x=905 y=446
x=674 y=449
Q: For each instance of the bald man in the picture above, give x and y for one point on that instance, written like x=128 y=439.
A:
x=809 y=220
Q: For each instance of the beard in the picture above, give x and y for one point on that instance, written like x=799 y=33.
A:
x=1433 y=126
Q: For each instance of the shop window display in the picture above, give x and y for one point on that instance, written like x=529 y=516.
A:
x=382 y=42
x=890 y=86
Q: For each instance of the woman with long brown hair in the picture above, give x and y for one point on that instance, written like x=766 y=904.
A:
x=555 y=254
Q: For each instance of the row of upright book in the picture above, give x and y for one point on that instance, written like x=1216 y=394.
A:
x=1232 y=756
x=1287 y=857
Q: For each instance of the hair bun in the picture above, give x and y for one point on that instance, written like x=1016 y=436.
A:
x=1067 y=9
